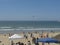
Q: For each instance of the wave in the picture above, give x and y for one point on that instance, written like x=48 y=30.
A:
x=5 y=27
x=28 y=29
x=25 y=27
x=42 y=29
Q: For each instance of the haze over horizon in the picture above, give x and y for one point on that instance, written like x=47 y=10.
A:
x=39 y=10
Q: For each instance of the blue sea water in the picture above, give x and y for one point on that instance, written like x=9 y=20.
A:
x=29 y=25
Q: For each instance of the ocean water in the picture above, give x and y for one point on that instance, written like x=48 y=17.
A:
x=29 y=26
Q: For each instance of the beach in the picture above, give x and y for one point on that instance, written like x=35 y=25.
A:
x=4 y=38
x=29 y=30
x=29 y=22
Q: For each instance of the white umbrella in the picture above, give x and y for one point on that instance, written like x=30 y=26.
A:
x=16 y=36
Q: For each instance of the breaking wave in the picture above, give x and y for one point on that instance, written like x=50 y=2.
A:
x=25 y=28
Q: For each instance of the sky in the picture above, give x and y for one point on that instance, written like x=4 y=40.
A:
x=30 y=10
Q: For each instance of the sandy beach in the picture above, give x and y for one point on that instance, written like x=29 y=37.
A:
x=4 y=38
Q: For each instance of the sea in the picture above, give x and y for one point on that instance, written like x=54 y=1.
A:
x=28 y=26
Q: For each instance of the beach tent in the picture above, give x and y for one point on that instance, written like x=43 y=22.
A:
x=47 y=40
x=16 y=36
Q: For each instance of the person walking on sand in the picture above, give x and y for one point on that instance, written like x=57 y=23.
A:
x=36 y=43
x=33 y=40
x=31 y=35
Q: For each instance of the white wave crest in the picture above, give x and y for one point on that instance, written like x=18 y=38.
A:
x=4 y=27
x=30 y=29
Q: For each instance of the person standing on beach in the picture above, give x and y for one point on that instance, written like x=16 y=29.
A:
x=31 y=35
x=33 y=40
x=36 y=43
x=25 y=36
x=47 y=35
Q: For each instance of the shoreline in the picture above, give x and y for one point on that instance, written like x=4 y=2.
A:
x=18 y=31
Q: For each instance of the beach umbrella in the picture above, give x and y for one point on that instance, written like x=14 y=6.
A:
x=47 y=40
x=15 y=36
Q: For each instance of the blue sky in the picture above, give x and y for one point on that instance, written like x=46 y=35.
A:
x=26 y=9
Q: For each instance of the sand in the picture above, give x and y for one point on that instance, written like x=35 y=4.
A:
x=4 y=38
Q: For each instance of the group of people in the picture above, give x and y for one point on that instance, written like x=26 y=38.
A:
x=18 y=43
x=29 y=43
